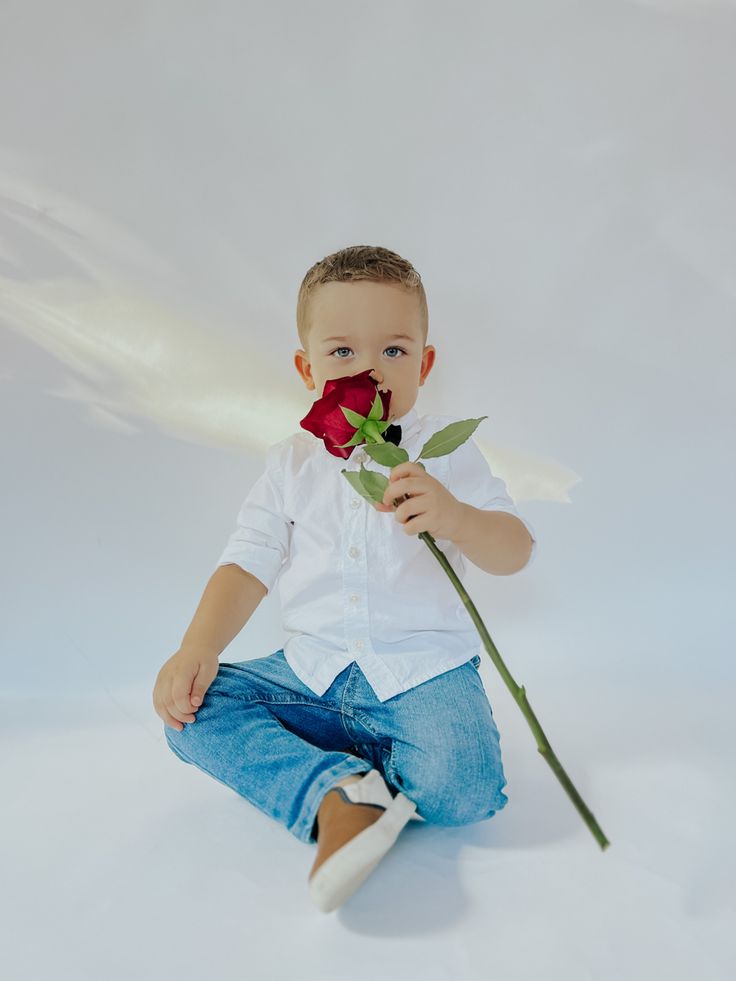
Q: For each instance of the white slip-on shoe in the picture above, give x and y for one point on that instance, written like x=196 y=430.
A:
x=358 y=824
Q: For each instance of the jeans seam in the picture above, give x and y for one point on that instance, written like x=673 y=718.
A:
x=391 y=769
x=260 y=700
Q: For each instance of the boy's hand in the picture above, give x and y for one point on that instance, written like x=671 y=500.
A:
x=181 y=685
x=431 y=506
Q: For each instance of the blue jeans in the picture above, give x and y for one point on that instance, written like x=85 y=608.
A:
x=263 y=733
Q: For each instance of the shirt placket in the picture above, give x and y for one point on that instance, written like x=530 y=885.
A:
x=355 y=568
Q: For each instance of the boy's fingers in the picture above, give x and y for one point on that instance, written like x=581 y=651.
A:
x=169 y=718
x=201 y=683
x=180 y=695
x=183 y=715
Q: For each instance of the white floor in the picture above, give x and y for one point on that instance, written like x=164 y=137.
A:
x=120 y=860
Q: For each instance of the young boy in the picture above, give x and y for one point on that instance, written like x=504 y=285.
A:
x=373 y=712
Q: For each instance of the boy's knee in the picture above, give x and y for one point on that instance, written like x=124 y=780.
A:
x=461 y=810
x=458 y=800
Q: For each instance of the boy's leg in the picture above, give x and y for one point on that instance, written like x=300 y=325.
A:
x=438 y=743
x=261 y=732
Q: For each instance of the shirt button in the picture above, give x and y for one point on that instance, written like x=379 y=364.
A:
x=355 y=503
x=353 y=551
x=354 y=598
x=359 y=645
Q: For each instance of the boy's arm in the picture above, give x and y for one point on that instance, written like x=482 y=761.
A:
x=495 y=541
x=228 y=602
x=489 y=530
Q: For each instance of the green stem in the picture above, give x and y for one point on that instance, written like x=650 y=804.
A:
x=519 y=694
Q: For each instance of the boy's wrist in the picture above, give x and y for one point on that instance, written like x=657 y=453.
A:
x=199 y=650
x=461 y=525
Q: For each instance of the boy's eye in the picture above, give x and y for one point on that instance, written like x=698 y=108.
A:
x=391 y=348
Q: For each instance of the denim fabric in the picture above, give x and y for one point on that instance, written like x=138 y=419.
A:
x=263 y=733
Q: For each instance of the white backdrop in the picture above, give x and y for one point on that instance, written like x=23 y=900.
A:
x=561 y=174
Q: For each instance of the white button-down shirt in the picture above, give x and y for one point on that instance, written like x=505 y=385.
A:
x=353 y=585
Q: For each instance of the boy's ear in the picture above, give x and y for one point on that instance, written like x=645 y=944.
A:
x=303 y=367
x=428 y=357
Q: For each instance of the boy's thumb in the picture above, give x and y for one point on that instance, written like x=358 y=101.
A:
x=199 y=687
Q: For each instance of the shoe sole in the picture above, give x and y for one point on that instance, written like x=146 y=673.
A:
x=345 y=870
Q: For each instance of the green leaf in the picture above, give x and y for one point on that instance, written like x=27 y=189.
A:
x=382 y=426
x=354 y=418
x=448 y=439
x=377 y=408
x=387 y=454
x=374 y=483
x=371 y=431
x=369 y=484
x=355 y=440
x=355 y=482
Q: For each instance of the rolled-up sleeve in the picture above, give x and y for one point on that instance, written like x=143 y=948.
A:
x=260 y=542
x=472 y=481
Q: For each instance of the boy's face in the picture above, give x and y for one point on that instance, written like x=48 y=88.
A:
x=366 y=317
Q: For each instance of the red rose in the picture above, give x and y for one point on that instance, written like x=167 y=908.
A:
x=327 y=421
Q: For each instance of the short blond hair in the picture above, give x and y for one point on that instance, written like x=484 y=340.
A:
x=359 y=262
